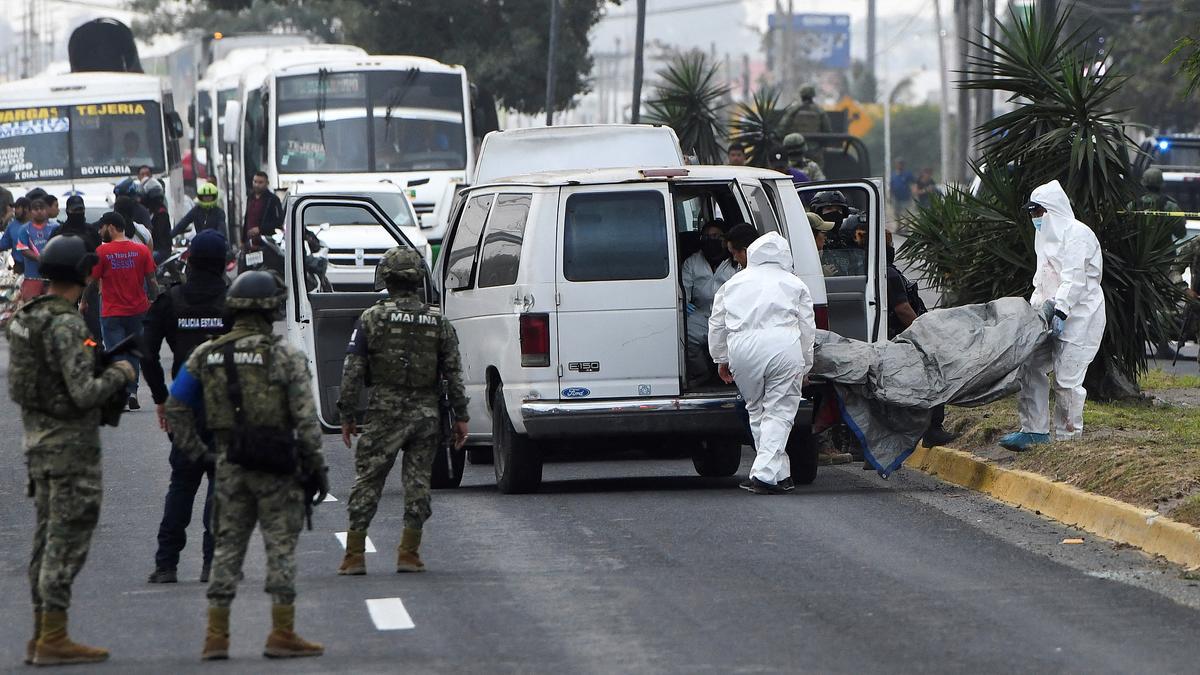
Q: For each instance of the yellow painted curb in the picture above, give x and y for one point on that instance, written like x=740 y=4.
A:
x=1109 y=518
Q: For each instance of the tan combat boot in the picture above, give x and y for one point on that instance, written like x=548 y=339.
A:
x=355 y=560
x=216 y=638
x=55 y=648
x=407 y=559
x=37 y=632
x=283 y=642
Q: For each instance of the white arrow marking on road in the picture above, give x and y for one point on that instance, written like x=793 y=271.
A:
x=389 y=614
x=341 y=537
x=329 y=498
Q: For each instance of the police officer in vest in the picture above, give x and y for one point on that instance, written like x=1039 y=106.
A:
x=185 y=316
x=52 y=377
x=258 y=403
x=403 y=348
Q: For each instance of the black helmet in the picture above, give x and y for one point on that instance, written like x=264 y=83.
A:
x=66 y=258
x=828 y=198
x=256 y=291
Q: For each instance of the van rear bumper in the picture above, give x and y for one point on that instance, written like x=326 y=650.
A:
x=719 y=415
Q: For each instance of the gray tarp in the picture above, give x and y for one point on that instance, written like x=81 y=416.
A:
x=965 y=356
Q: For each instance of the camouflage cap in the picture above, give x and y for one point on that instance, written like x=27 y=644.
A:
x=400 y=266
x=255 y=290
x=808 y=91
x=794 y=141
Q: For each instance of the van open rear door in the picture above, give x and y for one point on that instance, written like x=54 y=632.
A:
x=855 y=279
x=617 y=293
x=320 y=322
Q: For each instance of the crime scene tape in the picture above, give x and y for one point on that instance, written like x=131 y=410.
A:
x=1165 y=214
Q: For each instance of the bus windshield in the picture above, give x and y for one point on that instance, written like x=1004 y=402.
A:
x=366 y=122
x=92 y=140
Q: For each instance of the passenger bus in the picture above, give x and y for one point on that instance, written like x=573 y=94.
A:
x=403 y=119
x=85 y=132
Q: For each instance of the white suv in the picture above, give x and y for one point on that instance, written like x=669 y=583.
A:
x=564 y=287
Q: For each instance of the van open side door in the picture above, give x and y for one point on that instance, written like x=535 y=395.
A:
x=320 y=322
x=855 y=280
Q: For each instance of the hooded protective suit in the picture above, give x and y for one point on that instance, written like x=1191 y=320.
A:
x=700 y=285
x=763 y=326
x=1069 y=269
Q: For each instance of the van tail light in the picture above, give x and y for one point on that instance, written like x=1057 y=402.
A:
x=535 y=340
x=822 y=316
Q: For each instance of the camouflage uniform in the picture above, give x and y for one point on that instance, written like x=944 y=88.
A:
x=276 y=393
x=810 y=118
x=401 y=345
x=52 y=377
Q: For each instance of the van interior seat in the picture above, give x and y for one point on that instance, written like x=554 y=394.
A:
x=334 y=316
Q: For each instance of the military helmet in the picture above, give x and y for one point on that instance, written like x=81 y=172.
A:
x=66 y=258
x=1153 y=178
x=400 y=266
x=256 y=290
x=826 y=198
x=794 y=142
x=808 y=91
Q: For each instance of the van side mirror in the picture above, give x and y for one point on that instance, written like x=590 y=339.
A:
x=232 y=123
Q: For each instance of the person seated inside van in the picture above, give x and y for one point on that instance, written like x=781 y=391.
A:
x=704 y=272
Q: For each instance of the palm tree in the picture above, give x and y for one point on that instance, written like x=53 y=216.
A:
x=979 y=246
x=761 y=124
x=691 y=100
x=1190 y=68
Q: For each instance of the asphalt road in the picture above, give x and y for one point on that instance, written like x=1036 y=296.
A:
x=632 y=566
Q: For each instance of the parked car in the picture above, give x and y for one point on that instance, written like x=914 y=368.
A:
x=564 y=287
x=354 y=248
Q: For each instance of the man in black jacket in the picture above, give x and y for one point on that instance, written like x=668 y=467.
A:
x=264 y=211
x=185 y=316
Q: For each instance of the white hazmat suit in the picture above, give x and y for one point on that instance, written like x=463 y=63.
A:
x=763 y=326
x=1069 y=269
x=700 y=285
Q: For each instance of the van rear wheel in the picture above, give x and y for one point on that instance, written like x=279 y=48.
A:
x=802 y=452
x=517 y=458
x=717 y=458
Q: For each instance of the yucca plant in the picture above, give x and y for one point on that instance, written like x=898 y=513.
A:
x=978 y=247
x=1189 y=47
x=761 y=124
x=691 y=100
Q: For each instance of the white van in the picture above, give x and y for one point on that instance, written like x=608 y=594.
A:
x=564 y=287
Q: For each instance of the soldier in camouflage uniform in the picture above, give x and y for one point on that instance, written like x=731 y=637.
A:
x=809 y=118
x=276 y=397
x=795 y=146
x=402 y=348
x=52 y=376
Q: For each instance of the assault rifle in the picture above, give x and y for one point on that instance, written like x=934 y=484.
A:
x=110 y=410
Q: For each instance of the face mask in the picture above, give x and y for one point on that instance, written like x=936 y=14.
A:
x=1037 y=222
x=712 y=247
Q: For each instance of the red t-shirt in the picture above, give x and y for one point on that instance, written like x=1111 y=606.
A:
x=122 y=273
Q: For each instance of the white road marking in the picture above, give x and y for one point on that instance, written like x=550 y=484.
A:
x=330 y=498
x=389 y=614
x=341 y=537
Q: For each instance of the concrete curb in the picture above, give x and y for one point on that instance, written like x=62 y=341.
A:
x=1109 y=518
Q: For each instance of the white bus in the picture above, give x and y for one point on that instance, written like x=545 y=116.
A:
x=404 y=119
x=85 y=132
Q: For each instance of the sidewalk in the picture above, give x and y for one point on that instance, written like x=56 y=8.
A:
x=1144 y=454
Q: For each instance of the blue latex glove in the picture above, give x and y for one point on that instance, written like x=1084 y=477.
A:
x=1048 y=310
x=1057 y=324
x=691 y=309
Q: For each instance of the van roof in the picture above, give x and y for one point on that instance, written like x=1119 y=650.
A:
x=72 y=86
x=634 y=175
x=518 y=152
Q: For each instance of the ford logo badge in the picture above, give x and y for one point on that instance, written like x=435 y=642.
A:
x=576 y=392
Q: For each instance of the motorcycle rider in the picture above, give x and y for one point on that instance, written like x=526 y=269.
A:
x=207 y=214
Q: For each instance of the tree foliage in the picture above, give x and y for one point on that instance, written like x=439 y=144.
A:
x=502 y=43
x=1189 y=66
x=761 y=123
x=977 y=247
x=691 y=100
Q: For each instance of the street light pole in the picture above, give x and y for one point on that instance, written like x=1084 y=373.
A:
x=887 y=131
x=551 y=63
x=944 y=108
x=638 y=54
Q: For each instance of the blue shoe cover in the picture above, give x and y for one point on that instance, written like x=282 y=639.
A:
x=1022 y=440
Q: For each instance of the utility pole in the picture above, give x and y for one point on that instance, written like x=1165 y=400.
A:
x=944 y=108
x=639 y=50
x=551 y=63
x=962 y=23
x=745 y=77
x=870 y=74
x=1049 y=10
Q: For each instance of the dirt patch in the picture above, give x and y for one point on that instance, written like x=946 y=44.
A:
x=1145 y=453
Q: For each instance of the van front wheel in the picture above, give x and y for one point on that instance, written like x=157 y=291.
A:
x=517 y=459
x=717 y=458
